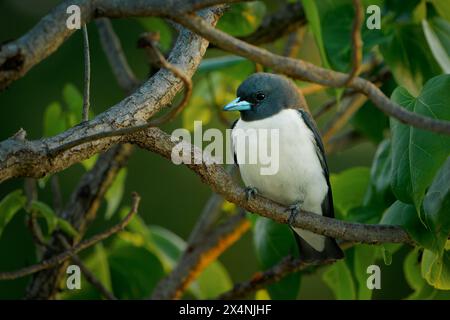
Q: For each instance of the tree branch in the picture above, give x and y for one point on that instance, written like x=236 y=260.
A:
x=19 y=56
x=55 y=260
x=20 y=157
x=302 y=70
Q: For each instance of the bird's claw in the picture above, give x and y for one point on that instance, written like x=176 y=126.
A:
x=294 y=210
x=250 y=192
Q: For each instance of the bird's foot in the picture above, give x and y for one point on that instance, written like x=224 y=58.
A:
x=294 y=210
x=250 y=192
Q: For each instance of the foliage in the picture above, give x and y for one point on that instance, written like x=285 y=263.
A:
x=407 y=183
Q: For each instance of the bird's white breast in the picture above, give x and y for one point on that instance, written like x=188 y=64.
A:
x=300 y=174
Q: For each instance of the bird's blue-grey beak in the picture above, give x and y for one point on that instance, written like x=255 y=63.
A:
x=237 y=105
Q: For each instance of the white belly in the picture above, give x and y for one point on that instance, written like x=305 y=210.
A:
x=300 y=174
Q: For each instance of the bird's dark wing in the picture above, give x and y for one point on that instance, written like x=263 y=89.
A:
x=327 y=204
x=234 y=153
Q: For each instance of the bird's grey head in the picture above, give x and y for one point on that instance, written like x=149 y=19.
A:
x=264 y=94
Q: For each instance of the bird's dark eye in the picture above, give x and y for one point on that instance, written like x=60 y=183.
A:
x=260 y=96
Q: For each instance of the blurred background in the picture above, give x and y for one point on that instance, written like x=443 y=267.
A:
x=172 y=196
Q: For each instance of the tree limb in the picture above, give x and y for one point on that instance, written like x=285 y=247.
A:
x=302 y=70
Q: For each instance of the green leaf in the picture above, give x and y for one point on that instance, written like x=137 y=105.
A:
x=273 y=242
x=370 y=121
x=54 y=121
x=436 y=207
x=436 y=269
x=405 y=216
x=9 y=206
x=168 y=247
x=387 y=256
x=47 y=213
x=411 y=269
x=355 y=179
x=401 y=176
x=67 y=228
x=418 y=154
x=339 y=278
x=442 y=7
x=115 y=193
x=437 y=33
x=89 y=163
x=312 y=15
x=409 y=58
x=213 y=281
x=97 y=263
x=242 y=18
x=197 y=110
x=74 y=102
x=135 y=271
x=380 y=173
x=363 y=256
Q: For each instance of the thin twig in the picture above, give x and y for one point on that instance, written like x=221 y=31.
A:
x=113 y=49
x=55 y=260
x=151 y=123
x=87 y=74
x=90 y=277
x=357 y=43
x=260 y=280
x=341 y=118
x=302 y=70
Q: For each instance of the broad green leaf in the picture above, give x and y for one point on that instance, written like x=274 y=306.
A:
x=442 y=7
x=54 y=121
x=115 y=193
x=47 y=213
x=168 y=243
x=339 y=278
x=97 y=263
x=409 y=58
x=440 y=50
x=67 y=228
x=405 y=216
x=273 y=242
x=411 y=269
x=74 y=102
x=213 y=281
x=168 y=247
x=363 y=256
x=135 y=271
x=312 y=15
x=355 y=179
x=401 y=176
x=9 y=206
x=436 y=207
x=242 y=18
x=418 y=154
x=436 y=269
x=370 y=121
x=380 y=173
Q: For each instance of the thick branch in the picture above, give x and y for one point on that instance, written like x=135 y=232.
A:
x=19 y=157
x=19 y=56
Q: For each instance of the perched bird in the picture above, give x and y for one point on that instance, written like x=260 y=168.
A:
x=269 y=101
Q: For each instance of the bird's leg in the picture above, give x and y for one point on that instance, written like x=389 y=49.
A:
x=294 y=210
x=250 y=192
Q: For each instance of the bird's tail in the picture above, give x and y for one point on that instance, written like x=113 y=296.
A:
x=328 y=251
